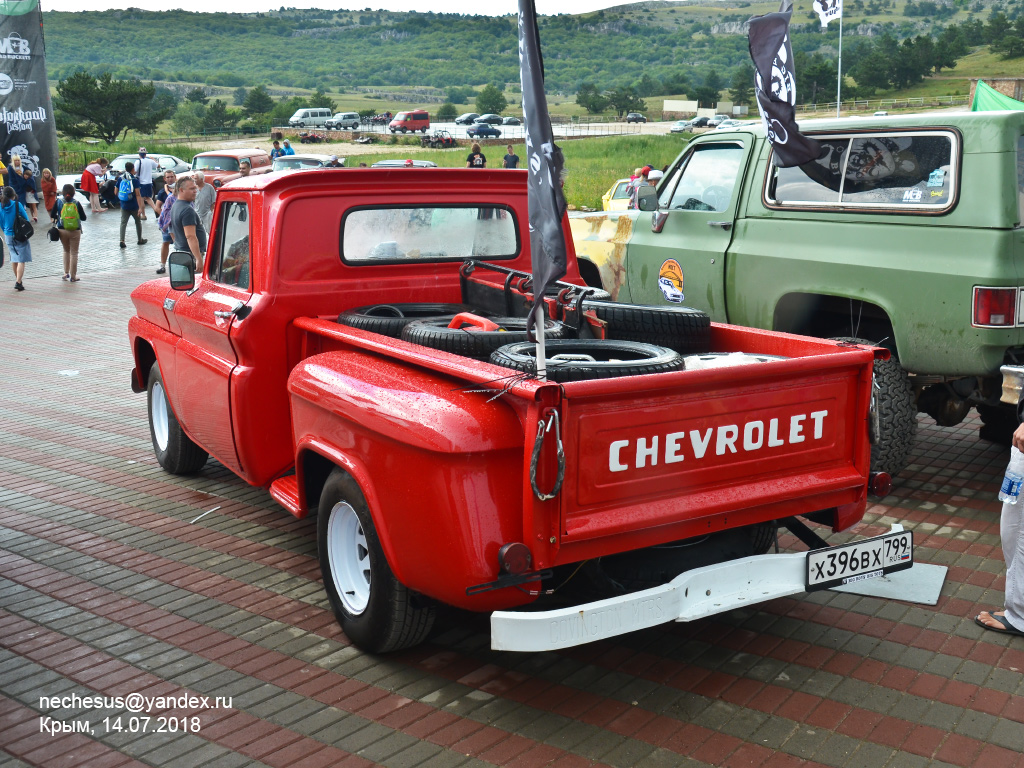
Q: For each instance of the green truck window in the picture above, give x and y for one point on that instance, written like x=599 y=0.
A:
x=816 y=182
x=707 y=178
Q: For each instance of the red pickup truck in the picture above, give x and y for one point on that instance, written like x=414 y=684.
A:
x=441 y=470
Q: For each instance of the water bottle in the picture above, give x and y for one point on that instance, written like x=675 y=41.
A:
x=1010 y=489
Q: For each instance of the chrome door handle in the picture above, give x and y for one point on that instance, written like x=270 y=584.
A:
x=227 y=314
x=726 y=225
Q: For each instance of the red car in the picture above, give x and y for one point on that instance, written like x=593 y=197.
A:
x=357 y=346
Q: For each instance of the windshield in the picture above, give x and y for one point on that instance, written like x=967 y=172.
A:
x=215 y=163
x=289 y=163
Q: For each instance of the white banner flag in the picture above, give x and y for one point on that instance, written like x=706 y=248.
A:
x=828 y=10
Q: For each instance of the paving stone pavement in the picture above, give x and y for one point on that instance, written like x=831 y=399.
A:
x=110 y=585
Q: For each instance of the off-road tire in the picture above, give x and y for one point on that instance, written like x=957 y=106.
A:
x=394 y=616
x=390 y=319
x=897 y=414
x=686 y=330
x=475 y=343
x=175 y=451
x=614 y=358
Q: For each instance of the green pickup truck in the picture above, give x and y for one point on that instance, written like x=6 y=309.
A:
x=906 y=234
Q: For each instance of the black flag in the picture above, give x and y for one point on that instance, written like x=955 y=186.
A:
x=543 y=162
x=26 y=114
x=775 y=88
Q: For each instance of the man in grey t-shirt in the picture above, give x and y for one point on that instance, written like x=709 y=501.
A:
x=205 y=198
x=188 y=229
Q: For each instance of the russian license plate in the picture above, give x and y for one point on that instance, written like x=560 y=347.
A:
x=858 y=560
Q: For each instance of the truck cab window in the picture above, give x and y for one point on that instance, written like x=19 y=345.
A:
x=706 y=179
x=229 y=253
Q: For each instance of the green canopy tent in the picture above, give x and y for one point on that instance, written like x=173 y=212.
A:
x=988 y=99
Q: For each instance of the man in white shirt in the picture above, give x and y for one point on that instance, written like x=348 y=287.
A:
x=144 y=170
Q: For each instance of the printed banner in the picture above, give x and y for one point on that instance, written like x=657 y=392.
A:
x=543 y=162
x=828 y=10
x=775 y=89
x=27 y=127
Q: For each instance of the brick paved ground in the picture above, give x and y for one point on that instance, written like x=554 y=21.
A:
x=107 y=587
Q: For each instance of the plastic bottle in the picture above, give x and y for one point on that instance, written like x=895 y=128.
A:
x=1014 y=478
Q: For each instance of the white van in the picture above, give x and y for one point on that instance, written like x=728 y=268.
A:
x=343 y=120
x=310 y=118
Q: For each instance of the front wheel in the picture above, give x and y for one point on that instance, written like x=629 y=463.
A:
x=897 y=414
x=175 y=451
x=377 y=612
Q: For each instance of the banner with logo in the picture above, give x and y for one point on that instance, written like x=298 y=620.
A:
x=828 y=10
x=26 y=114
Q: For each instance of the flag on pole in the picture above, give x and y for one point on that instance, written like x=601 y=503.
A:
x=828 y=10
x=544 y=164
x=775 y=88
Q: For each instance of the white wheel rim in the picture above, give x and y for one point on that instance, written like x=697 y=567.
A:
x=349 y=558
x=158 y=417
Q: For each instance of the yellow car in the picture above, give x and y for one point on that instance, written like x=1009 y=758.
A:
x=616 y=198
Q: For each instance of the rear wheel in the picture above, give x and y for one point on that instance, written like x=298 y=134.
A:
x=175 y=451
x=377 y=612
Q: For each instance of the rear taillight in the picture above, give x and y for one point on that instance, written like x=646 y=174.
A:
x=994 y=307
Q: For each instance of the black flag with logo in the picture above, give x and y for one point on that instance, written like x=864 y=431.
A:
x=26 y=114
x=775 y=88
x=544 y=162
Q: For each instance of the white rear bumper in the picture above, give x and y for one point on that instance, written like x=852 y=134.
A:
x=690 y=595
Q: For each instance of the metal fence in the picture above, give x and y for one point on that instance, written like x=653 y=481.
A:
x=876 y=105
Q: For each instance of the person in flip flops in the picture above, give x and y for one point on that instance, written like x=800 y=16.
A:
x=1010 y=620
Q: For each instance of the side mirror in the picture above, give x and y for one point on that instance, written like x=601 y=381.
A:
x=182 y=270
x=217 y=182
x=647 y=198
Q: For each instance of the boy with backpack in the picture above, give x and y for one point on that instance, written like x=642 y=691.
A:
x=67 y=214
x=131 y=202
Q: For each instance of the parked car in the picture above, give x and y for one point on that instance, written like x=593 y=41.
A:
x=298 y=162
x=163 y=162
x=483 y=131
x=728 y=124
x=343 y=120
x=700 y=122
x=404 y=164
x=635 y=117
x=616 y=198
x=316 y=117
x=410 y=121
x=681 y=126
x=466 y=118
x=221 y=165
x=511 y=121
x=490 y=118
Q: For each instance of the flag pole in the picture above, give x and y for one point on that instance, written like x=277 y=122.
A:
x=542 y=358
x=839 y=84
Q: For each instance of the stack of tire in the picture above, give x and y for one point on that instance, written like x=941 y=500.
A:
x=641 y=339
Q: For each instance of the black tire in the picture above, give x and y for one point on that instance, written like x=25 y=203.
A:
x=390 y=319
x=474 y=343
x=175 y=451
x=612 y=358
x=686 y=330
x=389 y=616
x=653 y=566
x=897 y=414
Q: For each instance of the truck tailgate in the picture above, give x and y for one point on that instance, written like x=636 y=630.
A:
x=699 y=451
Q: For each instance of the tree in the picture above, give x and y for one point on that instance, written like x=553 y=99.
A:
x=446 y=112
x=457 y=95
x=707 y=92
x=105 y=108
x=189 y=117
x=197 y=95
x=591 y=99
x=321 y=100
x=239 y=95
x=626 y=100
x=257 y=102
x=741 y=89
x=491 y=99
x=218 y=116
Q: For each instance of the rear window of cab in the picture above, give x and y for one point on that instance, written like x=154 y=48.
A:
x=906 y=172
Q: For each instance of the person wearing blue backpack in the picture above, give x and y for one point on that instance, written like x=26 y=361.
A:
x=131 y=202
x=20 y=250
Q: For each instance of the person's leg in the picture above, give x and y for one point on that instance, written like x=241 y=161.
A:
x=75 y=240
x=19 y=272
x=65 y=241
x=124 y=223
x=138 y=226
x=1013 y=552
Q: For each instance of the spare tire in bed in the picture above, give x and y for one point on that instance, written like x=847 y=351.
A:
x=583 y=359
x=686 y=330
x=474 y=342
x=390 y=319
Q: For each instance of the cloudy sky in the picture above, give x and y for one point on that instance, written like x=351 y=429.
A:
x=491 y=8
